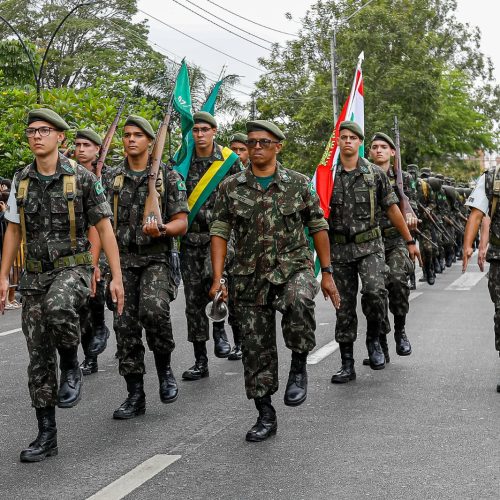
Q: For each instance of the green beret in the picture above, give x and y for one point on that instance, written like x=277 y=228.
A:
x=239 y=137
x=142 y=123
x=205 y=117
x=412 y=167
x=425 y=170
x=353 y=127
x=267 y=126
x=439 y=176
x=89 y=134
x=380 y=136
x=49 y=116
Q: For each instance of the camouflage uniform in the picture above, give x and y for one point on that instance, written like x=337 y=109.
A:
x=354 y=216
x=53 y=296
x=272 y=268
x=145 y=264
x=399 y=265
x=196 y=266
x=425 y=197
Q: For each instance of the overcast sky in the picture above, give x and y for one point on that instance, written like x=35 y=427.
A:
x=271 y=13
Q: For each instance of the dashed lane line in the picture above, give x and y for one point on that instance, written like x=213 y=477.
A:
x=317 y=356
x=8 y=332
x=130 y=481
x=466 y=281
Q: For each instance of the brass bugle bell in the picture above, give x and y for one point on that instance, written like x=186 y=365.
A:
x=217 y=309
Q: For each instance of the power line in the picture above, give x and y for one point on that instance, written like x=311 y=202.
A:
x=222 y=27
x=232 y=25
x=250 y=21
x=203 y=43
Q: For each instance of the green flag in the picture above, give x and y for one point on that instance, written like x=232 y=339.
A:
x=182 y=104
x=212 y=98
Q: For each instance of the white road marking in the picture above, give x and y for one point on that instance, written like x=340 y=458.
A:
x=136 y=477
x=8 y=332
x=322 y=353
x=414 y=295
x=323 y=324
x=466 y=281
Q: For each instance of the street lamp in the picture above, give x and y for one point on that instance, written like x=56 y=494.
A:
x=38 y=77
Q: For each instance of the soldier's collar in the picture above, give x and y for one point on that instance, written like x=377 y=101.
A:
x=281 y=177
x=63 y=167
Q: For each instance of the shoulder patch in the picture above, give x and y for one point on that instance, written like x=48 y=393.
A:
x=67 y=168
x=181 y=185
x=99 y=189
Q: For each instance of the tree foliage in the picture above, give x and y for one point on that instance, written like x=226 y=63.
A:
x=420 y=64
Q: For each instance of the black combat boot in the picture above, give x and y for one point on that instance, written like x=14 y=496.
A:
x=449 y=258
x=135 y=404
x=236 y=352
x=423 y=278
x=99 y=341
x=168 y=385
x=431 y=277
x=385 y=350
x=222 y=347
x=267 y=423
x=89 y=365
x=200 y=367
x=375 y=352
x=437 y=266
x=442 y=263
x=412 y=281
x=296 y=388
x=70 y=385
x=403 y=346
x=45 y=444
x=346 y=371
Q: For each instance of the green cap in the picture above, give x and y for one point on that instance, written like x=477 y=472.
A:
x=142 y=123
x=239 y=137
x=412 y=167
x=89 y=134
x=205 y=117
x=380 y=136
x=439 y=176
x=267 y=126
x=49 y=116
x=353 y=127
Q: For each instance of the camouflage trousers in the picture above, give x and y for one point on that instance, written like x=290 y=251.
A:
x=196 y=269
x=398 y=269
x=94 y=309
x=494 y=289
x=428 y=251
x=371 y=270
x=51 y=321
x=148 y=292
x=257 y=323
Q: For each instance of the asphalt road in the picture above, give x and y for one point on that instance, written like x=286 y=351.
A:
x=427 y=426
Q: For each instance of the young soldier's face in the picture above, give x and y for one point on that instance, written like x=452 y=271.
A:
x=43 y=138
x=349 y=142
x=263 y=147
x=85 y=151
x=241 y=150
x=381 y=152
x=135 y=141
x=203 y=134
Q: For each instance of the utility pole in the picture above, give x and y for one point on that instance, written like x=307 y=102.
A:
x=253 y=112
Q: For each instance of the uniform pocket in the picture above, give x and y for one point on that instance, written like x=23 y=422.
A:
x=362 y=203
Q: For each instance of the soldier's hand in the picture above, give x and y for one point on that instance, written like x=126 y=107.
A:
x=415 y=254
x=467 y=254
x=411 y=221
x=4 y=290
x=151 y=227
x=329 y=289
x=216 y=286
x=481 y=256
x=96 y=278
x=117 y=294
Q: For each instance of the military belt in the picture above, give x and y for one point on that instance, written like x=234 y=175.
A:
x=42 y=266
x=390 y=232
x=364 y=237
x=196 y=227
x=153 y=249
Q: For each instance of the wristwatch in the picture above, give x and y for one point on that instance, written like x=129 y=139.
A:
x=328 y=269
x=411 y=242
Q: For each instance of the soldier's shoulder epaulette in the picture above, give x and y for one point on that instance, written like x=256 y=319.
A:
x=22 y=172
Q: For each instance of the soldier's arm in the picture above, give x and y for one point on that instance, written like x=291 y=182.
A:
x=11 y=244
x=471 y=229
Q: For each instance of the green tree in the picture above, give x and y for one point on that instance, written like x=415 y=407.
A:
x=414 y=50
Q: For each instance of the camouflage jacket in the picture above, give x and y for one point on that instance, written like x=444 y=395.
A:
x=47 y=217
x=198 y=233
x=268 y=225
x=351 y=209
x=390 y=234
x=136 y=248
x=493 y=252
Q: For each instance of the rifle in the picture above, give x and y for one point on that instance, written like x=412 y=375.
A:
x=453 y=224
x=404 y=203
x=152 y=205
x=422 y=235
x=106 y=143
x=437 y=225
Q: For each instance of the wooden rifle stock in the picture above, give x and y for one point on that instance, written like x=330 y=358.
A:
x=106 y=143
x=404 y=203
x=152 y=206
